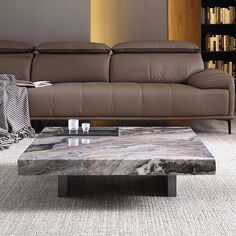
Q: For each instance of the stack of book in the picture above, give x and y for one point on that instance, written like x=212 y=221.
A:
x=226 y=66
x=220 y=43
x=218 y=15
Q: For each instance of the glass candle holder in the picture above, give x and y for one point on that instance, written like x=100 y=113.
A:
x=85 y=128
x=73 y=124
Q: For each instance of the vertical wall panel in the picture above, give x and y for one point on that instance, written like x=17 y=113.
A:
x=97 y=20
x=184 y=20
x=38 y=21
x=157 y=13
x=123 y=20
x=14 y=19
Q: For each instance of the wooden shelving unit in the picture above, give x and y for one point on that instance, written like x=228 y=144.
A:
x=217 y=29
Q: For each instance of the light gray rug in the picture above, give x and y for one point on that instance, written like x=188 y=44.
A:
x=206 y=205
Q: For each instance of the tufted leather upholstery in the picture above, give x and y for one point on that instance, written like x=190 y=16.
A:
x=71 y=68
x=151 y=68
x=127 y=100
x=214 y=79
x=157 y=46
x=73 y=48
x=142 y=80
x=17 y=64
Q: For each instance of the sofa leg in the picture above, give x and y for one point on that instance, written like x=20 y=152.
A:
x=229 y=126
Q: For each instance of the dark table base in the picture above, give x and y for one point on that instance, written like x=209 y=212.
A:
x=170 y=185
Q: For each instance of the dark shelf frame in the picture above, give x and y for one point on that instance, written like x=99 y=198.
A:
x=227 y=56
x=229 y=29
x=218 y=3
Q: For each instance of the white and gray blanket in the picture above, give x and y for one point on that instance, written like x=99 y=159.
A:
x=14 y=112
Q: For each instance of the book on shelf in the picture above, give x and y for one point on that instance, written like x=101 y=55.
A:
x=226 y=66
x=217 y=43
x=218 y=15
x=37 y=84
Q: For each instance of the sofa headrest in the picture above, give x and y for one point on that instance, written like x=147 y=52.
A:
x=17 y=64
x=73 y=48
x=160 y=46
x=7 y=46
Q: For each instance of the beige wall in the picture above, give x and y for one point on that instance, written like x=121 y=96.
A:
x=38 y=21
x=114 y=21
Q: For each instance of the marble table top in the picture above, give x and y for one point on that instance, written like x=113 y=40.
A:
x=136 y=151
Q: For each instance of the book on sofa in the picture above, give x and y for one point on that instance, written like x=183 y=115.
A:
x=37 y=84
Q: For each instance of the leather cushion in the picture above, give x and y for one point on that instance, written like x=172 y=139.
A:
x=73 y=48
x=160 y=46
x=215 y=79
x=71 y=68
x=7 y=46
x=150 y=68
x=127 y=100
x=16 y=64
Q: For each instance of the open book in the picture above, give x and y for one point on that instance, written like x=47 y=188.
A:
x=37 y=84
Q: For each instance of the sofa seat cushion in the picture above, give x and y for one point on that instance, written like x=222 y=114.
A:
x=99 y=99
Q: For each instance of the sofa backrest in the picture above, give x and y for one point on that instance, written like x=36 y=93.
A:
x=147 y=61
x=71 y=68
x=71 y=62
x=16 y=58
x=155 y=61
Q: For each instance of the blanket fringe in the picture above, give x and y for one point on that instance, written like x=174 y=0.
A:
x=7 y=140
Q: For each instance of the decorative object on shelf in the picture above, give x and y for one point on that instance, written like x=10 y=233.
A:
x=216 y=43
x=227 y=67
x=219 y=34
x=218 y=15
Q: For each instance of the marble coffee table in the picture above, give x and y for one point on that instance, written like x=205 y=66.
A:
x=158 y=151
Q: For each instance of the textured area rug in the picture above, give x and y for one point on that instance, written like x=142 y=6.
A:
x=206 y=205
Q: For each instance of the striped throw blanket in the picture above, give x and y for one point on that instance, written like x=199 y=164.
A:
x=14 y=112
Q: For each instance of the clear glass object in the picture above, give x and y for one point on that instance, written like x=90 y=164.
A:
x=85 y=128
x=73 y=124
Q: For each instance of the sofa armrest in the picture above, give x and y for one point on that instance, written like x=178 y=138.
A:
x=215 y=79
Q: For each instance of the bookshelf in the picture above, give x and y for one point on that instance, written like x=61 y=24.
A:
x=218 y=30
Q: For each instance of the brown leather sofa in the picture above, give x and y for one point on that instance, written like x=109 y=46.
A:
x=156 y=80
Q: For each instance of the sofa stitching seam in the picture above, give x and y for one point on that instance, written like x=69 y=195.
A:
x=52 y=94
x=112 y=100
x=171 y=100
x=82 y=100
x=201 y=102
x=141 y=99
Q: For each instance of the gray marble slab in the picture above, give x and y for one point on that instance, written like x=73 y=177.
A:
x=136 y=151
